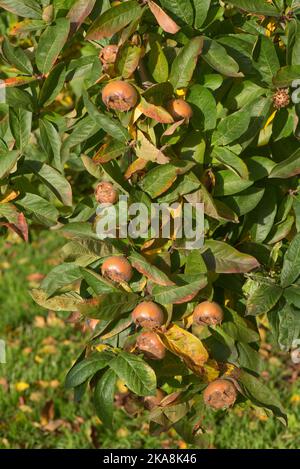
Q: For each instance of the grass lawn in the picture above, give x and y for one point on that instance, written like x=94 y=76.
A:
x=37 y=412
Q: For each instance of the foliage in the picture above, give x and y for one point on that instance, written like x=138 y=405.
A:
x=235 y=64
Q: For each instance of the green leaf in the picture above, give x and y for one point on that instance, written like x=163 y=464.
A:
x=7 y=162
x=190 y=286
x=86 y=368
x=228 y=183
x=185 y=62
x=108 y=124
x=40 y=207
x=249 y=358
x=109 y=305
x=231 y=160
x=293 y=46
x=204 y=108
x=98 y=283
x=104 y=394
x=17 y=57
x=52 y=178
x=245 y=201
x=255 y=390
x=139 y=263
x=220 y=257
x=289 y=326
x=262 y=219
x=60 y=276
x=17 y=98
x=266 y=60
x=180 y=10
x=262 y=298
x=158 y=63
x=51 y=43
x=288 y=167
x=51 y=142
x=261 y=7
x=286 y=75
x=201 y=10
x=291 y=263
x=52 y=85
x=127 y=60
x=114 y=19
x=217 y=57
x=231 y=128
x=136 y=374
x=24 y=8
x=20 y=126
x=159 y=179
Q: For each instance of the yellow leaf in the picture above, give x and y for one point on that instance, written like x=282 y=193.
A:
x=186 y=346
x=21 y=386
x=9 y=196
x=101 y=347
x=271 y=118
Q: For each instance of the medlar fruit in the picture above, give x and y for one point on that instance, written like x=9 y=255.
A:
x=148 y=314
x=150 y=344
x=119 y=95
x=117 y=268
x=105 y=193
x=220 y=394
x=180 y=109
x=208 y=313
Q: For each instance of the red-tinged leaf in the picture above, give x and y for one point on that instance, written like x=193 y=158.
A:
x=21 y=229
x=24 y=8
x=164 y=20
x=220 y=257
x=150 y=271
x=170 y=130
x=16 y=81
x=114 y=19
x=79 y=11
x=157 y=113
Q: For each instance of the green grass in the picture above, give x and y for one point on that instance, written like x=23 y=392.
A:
x=41 y=347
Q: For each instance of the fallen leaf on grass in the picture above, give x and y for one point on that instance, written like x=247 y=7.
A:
x=21 y=386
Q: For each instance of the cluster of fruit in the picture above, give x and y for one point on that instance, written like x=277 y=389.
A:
x=149 y=316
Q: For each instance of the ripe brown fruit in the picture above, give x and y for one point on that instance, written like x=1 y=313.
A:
x=208 y=313
x=150 y=344
x=220 y=394
x=180 y=109
x=148 y=314
x=150 y=402
x=105 y=193
x=119 y=95
x=117 y=268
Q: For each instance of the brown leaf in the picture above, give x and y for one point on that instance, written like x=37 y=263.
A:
x=164 y=20
x=170 y=130
x=47 y=412
x=54 y=425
